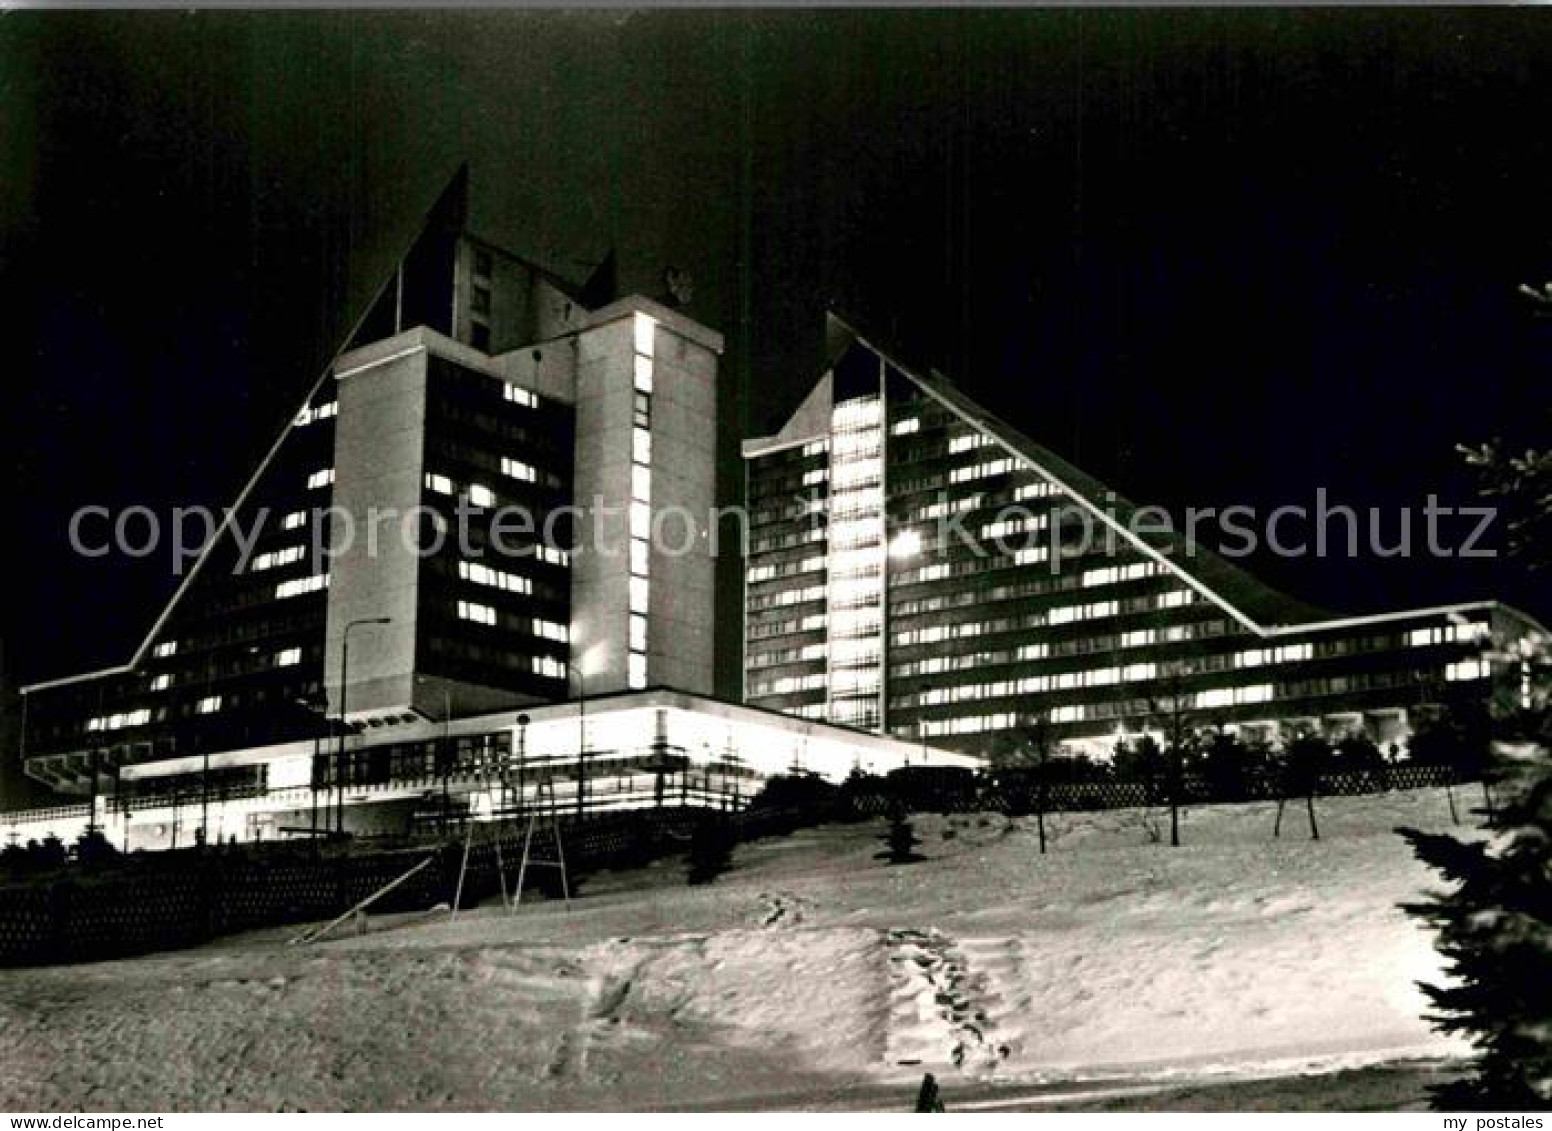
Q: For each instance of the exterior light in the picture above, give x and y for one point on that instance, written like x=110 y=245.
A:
x=906 y=544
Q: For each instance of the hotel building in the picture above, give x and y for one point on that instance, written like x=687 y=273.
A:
x=919 y=568
x=494 y=503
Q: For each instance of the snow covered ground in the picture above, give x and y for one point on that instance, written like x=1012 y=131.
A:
x=812 y=975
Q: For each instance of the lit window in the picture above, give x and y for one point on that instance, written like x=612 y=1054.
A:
x=637 y=671
x=1034 y=491
x=641 y=483
x=552 y=555
x=638 y=633
x=641 y=445
x=1463 y=633
x=499 y=579
x=481 y=495
x=161 y=682
x=441 y=484
x=1466 y=669
x=550 y=630
x=299 y=585
x=116 y=722
x=643 y=374
x=517 y=469
x=479 y=614
x=549 y=667
x=980 y=470
x=1112 y=574
x=320 y=478
x=966 y=443
x=640 y=520
x=294 y=520
x=209 y=705
x=165 y=648
x=288 y=658
x=639 y=556
x=311 y=415
x=906 y=427
x=520 y=396
x=274 y=558
x=638 y=594
x=645 y=335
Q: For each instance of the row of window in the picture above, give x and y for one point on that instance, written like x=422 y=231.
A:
x=297 y=586
x=272 y=559
x=762 y=630
x=784 y=597
x=787 y=685
x=485 y=614
x=772 y=542
x=984 y=470
x=969 y=442
x=1468 y=633
x=1062 y=614
x=784 y=569
x=285 y=658
x=495 y=578
x=644 y=339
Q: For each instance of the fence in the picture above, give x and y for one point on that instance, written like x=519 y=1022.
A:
x=164 y=900
x=1019 y=791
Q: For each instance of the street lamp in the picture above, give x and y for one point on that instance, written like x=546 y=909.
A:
x=522 y=752
x=339 y=762
x=581 y=734
x=319 y=706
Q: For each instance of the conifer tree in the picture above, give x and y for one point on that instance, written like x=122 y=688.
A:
x=1494 y=929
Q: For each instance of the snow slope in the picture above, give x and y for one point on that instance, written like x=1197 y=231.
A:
x=810 y=975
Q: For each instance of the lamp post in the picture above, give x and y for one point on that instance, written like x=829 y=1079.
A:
x=339 y=762
x=522 y=753
x=581 y=735
x=317 y=705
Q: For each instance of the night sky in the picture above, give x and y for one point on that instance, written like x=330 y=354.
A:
x=1213 y=257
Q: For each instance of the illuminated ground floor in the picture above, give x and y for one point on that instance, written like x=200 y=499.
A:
x=627 y=751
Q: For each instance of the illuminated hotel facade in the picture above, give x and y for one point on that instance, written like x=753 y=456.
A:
x=487 y=463
x=919 y=568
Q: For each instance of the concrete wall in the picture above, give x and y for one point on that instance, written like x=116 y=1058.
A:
x=378 y=463
x=681 y=608
x=680 y=636
x=600 y=593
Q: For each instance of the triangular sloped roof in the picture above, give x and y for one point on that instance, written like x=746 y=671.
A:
x=1253 y=603
x=450 y=212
